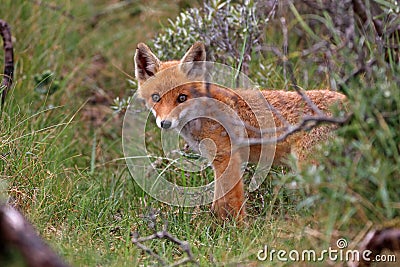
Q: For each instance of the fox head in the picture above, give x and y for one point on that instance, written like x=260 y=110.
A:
x=167 y=87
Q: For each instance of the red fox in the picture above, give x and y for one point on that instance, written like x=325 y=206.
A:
x=169 y=89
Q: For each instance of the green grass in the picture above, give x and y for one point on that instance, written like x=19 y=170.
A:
x=67 y=174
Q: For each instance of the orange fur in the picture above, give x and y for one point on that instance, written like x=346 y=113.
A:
x=170 y=81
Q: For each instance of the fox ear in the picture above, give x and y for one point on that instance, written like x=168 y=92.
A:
x=192 y=62
x=146 y=63
x=195 y=53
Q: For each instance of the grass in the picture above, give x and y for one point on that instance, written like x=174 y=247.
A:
x=61 y=155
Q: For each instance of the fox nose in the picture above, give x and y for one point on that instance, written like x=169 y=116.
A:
x=165 y=124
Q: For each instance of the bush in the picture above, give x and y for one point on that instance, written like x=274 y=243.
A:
x=231 y=31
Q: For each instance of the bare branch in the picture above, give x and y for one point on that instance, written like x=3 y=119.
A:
x=138 y=243
x=17 y=233
x=318 y=5
x=376 y=241
x=361 y=10
x=8 y=60
x=307 y=123
x=297 y=88
x=315 y=48
x=284 y=47
x=163 y=234
x=357 y=72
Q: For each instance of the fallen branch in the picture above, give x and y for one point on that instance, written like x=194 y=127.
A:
x=376 y=241
x=8 y=60
x=163 y=234
x=18 y=234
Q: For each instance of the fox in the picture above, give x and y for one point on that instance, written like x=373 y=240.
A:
x=180 y=97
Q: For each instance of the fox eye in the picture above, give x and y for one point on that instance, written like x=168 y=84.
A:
x=182 y=98
x=155 y=97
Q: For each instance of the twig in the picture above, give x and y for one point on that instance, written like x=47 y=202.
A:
x=284 y=48
x=296 y=87
x=279 y=115
x=371 y=14
x=163 y=234
x=357 y=72
x=318 y=5
x=272 y=12
x=8 y=60
x=315 y=48
x=303 y=95
x=329 y=65
x=146 y=249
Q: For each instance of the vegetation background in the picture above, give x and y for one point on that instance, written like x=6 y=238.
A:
x=60 y=133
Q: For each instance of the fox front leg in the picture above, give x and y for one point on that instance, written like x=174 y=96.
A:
x=228 y=192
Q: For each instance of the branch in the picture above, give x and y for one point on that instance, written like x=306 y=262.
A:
x=8 y=60
x=163 y=234
x=297 y=88
x=17 y=233
x=285 y=47
x=318 y=5
x=306 y=124
x=361 y=10
x=357 y=72
x=376 y=241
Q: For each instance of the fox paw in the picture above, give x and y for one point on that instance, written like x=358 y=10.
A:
x=226 y=210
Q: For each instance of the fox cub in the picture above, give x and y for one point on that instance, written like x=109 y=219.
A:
x=170 y=88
